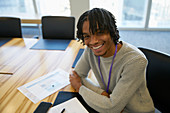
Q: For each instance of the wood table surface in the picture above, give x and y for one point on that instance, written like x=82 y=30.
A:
x=26 y=65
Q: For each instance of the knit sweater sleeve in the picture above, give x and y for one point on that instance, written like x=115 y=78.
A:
x=130 y=79
x=82 y=68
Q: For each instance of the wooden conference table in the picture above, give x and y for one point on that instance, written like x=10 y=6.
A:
x=26 y=65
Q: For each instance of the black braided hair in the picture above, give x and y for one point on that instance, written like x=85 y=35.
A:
x=99 y=19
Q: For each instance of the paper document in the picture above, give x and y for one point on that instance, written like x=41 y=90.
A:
x=46 y=85
x=71 y=106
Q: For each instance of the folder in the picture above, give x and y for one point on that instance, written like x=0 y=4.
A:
x=51 y=44
x=64 y=96
x=77 y=57
x=4 y=40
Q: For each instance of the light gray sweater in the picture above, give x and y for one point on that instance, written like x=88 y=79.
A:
x=127 y=89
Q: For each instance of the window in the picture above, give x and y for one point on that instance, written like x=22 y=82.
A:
x=17 y=8
x=34 y=8
x=114 y=6
x=133 y=14
x=128 y=13
x=160 y=14
x=54 y=7
x=142 y=14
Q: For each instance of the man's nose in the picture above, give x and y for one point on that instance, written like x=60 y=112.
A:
x=94 y=39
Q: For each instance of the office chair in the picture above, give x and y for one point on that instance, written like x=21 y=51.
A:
x=10 y=27
x=58 y=27
x=158 y=78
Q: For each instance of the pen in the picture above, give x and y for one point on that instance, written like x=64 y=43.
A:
x=6 y=73
x=63 y=110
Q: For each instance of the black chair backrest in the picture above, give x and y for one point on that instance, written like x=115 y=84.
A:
x=58 y=27
x=158 y=78
x=10 y=27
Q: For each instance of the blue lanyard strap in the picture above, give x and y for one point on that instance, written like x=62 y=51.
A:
x=109 y=71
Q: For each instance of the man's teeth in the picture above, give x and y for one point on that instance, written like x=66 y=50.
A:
x=97 y=47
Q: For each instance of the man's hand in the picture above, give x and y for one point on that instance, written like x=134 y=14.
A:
x=105 y=94
x=75 y=81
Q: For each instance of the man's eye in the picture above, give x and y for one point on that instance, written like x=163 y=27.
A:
x=86 y=36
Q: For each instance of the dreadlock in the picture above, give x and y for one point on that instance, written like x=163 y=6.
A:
x=99 y=19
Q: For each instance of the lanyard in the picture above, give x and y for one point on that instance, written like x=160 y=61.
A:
x=109 y=71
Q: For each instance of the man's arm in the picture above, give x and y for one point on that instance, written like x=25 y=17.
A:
x=75 y=81
x=132 y=77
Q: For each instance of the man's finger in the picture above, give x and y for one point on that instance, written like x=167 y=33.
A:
x=75 y=74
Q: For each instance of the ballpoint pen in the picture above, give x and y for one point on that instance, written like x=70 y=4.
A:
x=6 y=73
x=63 y=110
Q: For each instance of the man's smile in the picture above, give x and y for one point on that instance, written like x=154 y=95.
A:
x=97 y=47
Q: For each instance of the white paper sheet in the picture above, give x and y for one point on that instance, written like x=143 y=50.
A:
x=44 y=86
x=71 y=106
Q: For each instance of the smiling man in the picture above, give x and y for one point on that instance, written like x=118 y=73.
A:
x=119 y=67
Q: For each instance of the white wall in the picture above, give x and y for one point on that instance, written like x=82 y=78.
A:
x=78 y=7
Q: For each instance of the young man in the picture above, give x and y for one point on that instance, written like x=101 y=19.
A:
x=119 y=67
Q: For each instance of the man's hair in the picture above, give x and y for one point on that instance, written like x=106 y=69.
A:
x=99 y=20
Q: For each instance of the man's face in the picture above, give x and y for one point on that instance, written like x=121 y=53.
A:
x=100 y=43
